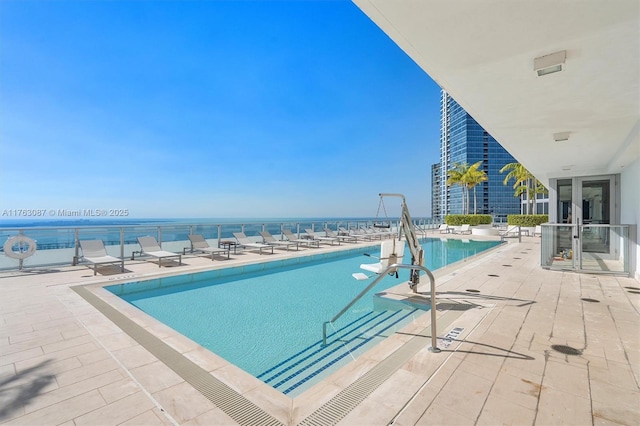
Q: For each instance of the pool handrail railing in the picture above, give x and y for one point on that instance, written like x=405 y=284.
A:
x=434 y=337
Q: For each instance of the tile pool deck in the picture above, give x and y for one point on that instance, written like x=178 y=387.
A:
x=63 y=362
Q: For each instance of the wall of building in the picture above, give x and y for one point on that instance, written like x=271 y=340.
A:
x=630 y=204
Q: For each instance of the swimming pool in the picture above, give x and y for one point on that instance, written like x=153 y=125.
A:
x=267 y=318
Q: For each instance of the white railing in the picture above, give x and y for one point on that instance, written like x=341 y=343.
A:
x=593 y=248
x=60 y=245
x=391 y=268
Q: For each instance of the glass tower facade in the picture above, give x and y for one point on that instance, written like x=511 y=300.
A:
x=463 y=140
x=436 y=177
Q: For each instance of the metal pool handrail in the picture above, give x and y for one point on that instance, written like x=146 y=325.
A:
x=390 y=268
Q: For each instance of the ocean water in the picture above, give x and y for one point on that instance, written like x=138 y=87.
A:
x=51 y=233
x=9 y=222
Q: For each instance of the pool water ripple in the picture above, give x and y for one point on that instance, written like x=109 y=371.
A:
x=260 y=316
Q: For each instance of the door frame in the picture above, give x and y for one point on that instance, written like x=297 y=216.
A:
x=577 y=206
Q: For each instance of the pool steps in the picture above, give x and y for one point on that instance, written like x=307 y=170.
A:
x=350 y=340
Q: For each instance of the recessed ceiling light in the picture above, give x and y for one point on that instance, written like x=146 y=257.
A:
x=549 y=64
x=549 y=70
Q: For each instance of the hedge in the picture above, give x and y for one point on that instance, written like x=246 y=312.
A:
x=527 y=220
x=468 y=219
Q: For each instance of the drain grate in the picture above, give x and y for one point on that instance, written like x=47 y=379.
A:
x=236 y=406
x=632 y=288
x=586 y=299
x=634 y=291
x=517 y=258
x=567 y=350
x=493 y=275
x=472 y=290
x=509 y=266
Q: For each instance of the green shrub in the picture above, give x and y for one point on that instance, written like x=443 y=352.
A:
x=527 y=220
x=468 y=219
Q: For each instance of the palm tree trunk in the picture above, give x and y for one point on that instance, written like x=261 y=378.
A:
x=475 y=201
x=528 y=196
x=464 y=199
x=468 y=197
x=534 y=193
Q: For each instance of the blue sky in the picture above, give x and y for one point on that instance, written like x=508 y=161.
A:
x=187 y=109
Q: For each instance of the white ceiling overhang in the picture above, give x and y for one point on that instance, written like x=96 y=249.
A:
x=482 y=52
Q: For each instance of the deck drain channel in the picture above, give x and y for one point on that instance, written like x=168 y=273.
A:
x=586 y=299
x=567 y=350
x=350 y=397
x=229 y=401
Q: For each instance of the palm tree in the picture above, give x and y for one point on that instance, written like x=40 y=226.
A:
x=474 y=177
x=519 y=174
x=456 y=176
x=536 y=188
x=467 y=176
x=525 y=184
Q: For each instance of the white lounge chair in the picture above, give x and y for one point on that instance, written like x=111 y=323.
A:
x=444 y=229
x=511 y=231
x=150 y=247
x=245 y=242
x=346 y=238
x=383 y=232
x=537 y=232
x=359 y=236
x=267 y=238
x=372 y=233
x=198 y=243
x=359 y=232
x=391 y=251
x=465 y=229
x=94 y=252
x=290 y=236
x=329 y=240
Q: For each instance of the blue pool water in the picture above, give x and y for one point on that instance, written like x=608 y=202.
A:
x=267 y=318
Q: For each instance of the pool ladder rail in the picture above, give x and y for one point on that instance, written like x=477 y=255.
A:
x=392 y=268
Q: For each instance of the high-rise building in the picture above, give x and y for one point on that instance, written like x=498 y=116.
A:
x=463 y=140
x=436 y=178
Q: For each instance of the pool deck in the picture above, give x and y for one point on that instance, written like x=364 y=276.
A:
x=519 y=345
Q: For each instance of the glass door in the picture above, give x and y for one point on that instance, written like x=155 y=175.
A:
x=595 y=207
x=564 y=235
x=585 y=214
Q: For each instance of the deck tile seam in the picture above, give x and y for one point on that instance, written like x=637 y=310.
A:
x=234 y=404
x=122 y=367
x=513 y=344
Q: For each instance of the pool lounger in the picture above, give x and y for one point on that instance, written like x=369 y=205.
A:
x=304 y=241
x=346 y=238
x=267 y=238
x=150 y=247
x=244 y=241
x=328 y=240
x=198 y=243
x=93 y=251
